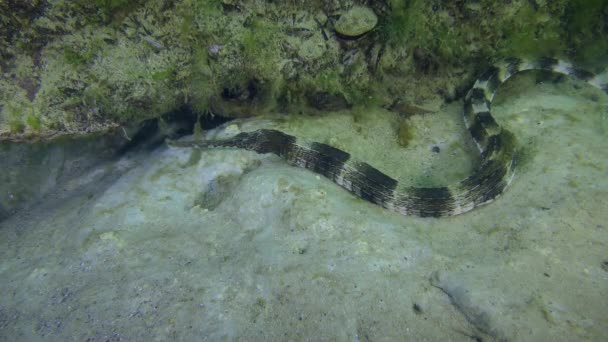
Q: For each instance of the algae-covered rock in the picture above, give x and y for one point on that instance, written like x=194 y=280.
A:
x=356 y=21
x=88 y=66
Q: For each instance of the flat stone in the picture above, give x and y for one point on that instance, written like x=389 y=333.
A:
x=356 y=21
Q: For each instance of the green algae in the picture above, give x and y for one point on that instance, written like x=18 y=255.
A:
x=83 y=66
x=112 y=6
x=33 y=121
x=585 y=21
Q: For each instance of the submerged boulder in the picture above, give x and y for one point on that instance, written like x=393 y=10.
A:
x=356 y=21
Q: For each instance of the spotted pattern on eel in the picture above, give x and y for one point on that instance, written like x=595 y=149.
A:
x=489 y=180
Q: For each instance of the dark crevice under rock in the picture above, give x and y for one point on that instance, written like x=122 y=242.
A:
x=32 y=171
x=322 y=100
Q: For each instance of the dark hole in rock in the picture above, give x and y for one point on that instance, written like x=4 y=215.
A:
x=152 y=133
x=322 y=100
x=230 y=7
x=253 y=88
x=425 y=61
x=212 y=121
x=246 y=92
x=232 y=93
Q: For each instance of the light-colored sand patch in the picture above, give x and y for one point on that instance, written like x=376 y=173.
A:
x=230 y=245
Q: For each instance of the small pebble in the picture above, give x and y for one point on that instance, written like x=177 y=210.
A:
x=214 y=49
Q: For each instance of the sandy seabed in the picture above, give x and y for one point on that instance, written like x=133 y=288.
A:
x=180 y=244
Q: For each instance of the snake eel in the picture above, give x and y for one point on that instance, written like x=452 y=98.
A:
x=489 y=180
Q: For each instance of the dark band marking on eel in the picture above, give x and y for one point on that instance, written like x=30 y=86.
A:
x=488 y=181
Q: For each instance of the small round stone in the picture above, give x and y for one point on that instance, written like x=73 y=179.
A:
x=356 y=21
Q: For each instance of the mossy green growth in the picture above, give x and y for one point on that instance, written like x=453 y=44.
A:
x=18 y=114
x=201 y=17
x=587 y=29
x=162 y=75
x=16 y=125
x=82 y=47
x=93 y=12
x=452 y=32
x=111 y=6
x=15 y=119
x=415 y=24
x=260 y=58
x=201 y=85
x=34 y=122
x=401 y=23
x=532 y=32
x=330 y=81
x=353 y=85
x=16 y=18
x=74 y=57
x=261 y=47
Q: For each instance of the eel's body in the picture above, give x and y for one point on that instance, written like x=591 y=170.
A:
x=496 y=146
